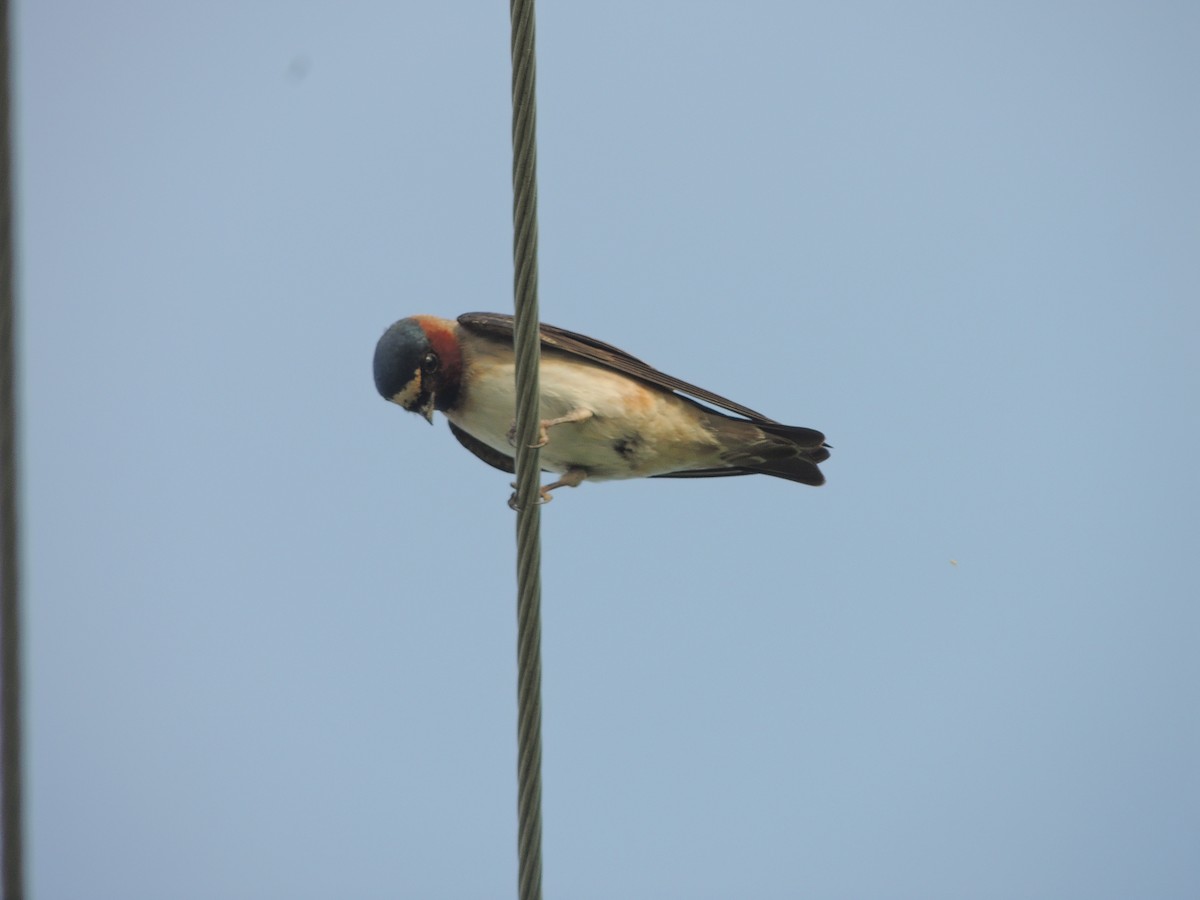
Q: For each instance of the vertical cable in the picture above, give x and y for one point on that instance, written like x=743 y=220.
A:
x=528 y=352
x=10 y=619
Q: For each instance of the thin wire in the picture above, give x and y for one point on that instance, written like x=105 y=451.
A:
x=10 y=620
x=529 y=551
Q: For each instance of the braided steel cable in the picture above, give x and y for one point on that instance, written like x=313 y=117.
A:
x=11 y=814
x=528 y=352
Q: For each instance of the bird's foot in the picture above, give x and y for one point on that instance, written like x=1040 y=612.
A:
x=570 y=478
x=543 y=437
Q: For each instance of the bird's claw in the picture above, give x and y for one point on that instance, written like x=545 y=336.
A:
x=573 y=477
x=542 y=441
x=544 y=497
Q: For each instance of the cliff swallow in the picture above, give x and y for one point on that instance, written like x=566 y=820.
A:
x=607 y=414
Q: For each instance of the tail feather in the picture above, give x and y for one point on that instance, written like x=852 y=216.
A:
x=798 y=469
x=782 y=451
x=808 y=438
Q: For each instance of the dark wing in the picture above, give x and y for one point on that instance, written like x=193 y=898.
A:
x=800 y=470
x=487 y=453
x=499 y=325
x=705 y=473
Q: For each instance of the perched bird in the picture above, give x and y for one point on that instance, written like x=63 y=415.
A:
x=607 y=414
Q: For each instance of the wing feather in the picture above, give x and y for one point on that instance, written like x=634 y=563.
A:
x=486 y=452
x=500 y=325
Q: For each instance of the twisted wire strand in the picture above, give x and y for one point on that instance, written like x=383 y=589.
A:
x=528 y=352
x=10 y=620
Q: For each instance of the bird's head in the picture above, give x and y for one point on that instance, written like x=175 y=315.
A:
x=418 y=364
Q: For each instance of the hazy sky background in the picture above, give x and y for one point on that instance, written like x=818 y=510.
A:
x=271 y=619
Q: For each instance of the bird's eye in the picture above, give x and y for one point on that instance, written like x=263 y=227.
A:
x=429 y=363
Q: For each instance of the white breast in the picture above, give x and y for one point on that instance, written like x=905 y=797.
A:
x=634 y=431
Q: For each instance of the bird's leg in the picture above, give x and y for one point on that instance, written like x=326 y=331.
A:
x=575 y=415
x=573 y=477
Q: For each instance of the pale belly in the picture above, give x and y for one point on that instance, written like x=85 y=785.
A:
x=633 y=432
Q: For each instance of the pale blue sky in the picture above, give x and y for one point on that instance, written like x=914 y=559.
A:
x=271 y=619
